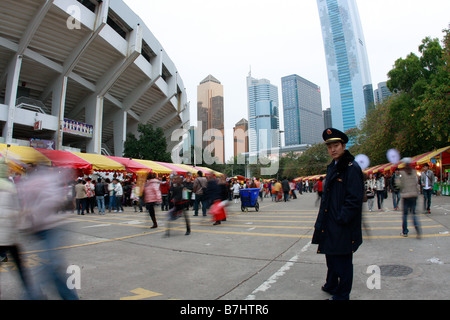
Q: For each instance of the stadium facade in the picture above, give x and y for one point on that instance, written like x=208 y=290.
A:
x=82 y=74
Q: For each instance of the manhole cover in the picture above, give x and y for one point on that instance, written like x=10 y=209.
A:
x=395 y=270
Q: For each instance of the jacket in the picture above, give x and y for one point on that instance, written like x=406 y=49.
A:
x=409 y=185
x=427 y=175
x=80 y=191
x=337 y=230
x=200 y=185
x=164 y=187
x=151 y=191
x=9 y=213
x=41 y=196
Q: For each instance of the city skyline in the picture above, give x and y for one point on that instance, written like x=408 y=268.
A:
x=291 y=44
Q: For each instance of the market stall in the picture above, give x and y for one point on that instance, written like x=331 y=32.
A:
x=155 y=167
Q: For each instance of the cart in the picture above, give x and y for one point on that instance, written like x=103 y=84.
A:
x=249 y=199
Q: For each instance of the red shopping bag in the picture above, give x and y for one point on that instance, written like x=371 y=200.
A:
x=217 y=211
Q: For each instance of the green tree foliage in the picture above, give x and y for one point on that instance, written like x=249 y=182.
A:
x=311 y=162
x=151 y=144
x=417 y=117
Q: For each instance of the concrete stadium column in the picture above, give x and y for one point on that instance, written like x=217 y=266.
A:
x=12 y=83
x=58 y=107
x=94 y=116
x=120 y=132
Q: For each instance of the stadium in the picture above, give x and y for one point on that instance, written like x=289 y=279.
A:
x=80 y=75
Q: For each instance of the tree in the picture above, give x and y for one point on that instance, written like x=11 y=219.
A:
x=151 y=144
x=416 y=118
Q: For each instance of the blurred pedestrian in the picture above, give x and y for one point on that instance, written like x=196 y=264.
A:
x=427 y=183
x=40 y=219
x=393 y=183
x=80 y=196
x=9 y=224
x=118 y=192
x=90 y=195
x=112 y=195
x=235 y=190
x=152 y=196
x=319 y=190
x=179 y=205
x=164 y=187
x=100 y=195
x=370 y=191
x=199 y=188
x=337 y=230
x=380 y=188
x=219 y=201
x=286 y=188
x=409 y=192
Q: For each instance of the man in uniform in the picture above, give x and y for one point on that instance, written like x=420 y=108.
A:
x=338 y=226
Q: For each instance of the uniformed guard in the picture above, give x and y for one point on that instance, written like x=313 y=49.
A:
x=338 y=225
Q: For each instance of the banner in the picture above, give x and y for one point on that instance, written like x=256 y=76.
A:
x=78 y=128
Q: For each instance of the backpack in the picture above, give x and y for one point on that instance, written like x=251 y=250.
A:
x=99 y=189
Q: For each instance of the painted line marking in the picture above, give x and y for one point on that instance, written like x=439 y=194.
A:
x=281 y=272
x=141 y=294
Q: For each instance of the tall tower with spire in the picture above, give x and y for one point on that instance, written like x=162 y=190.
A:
x=210 y=114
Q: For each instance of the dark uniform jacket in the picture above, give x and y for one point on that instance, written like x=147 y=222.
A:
x=338 y=226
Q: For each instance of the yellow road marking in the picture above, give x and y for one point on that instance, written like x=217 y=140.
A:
x=141 y=294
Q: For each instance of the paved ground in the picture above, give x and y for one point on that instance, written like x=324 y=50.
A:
x=263 y=255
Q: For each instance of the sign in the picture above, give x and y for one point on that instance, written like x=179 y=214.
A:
x=42 y=144
x=38 y=125
x=78 y=128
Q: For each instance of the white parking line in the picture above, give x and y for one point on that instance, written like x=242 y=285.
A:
x=281 y=272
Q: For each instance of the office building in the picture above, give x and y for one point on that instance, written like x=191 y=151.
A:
x=382 y=93
x=302 y=110
x=263 y=115
x=240 y=137
x=350 y=84
x=210 y=114
x=327 y=123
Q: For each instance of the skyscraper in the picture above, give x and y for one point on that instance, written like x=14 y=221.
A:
x=240 y=131
x=302 y=110
x=210 y=114
x=263 y=117
x=382 y=93
x=351 y=90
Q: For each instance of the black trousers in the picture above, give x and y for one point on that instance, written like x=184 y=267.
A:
x=339 y=276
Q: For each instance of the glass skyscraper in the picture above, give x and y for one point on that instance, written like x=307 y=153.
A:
x=302 y=110
x=263 y=117
x=351 y=90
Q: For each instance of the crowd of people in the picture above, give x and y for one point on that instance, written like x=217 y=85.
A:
x=35 y=202
x=379 y=186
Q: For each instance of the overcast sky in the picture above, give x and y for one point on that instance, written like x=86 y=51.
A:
x=277 y=38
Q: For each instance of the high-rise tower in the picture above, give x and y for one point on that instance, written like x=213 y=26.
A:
x=263 y=117
x=351 y=90
x=302 y=109
x=210 y=114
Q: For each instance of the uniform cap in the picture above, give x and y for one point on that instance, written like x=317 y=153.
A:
x=334 y=135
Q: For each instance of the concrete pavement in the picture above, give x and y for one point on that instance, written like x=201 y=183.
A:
x=263 y=255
